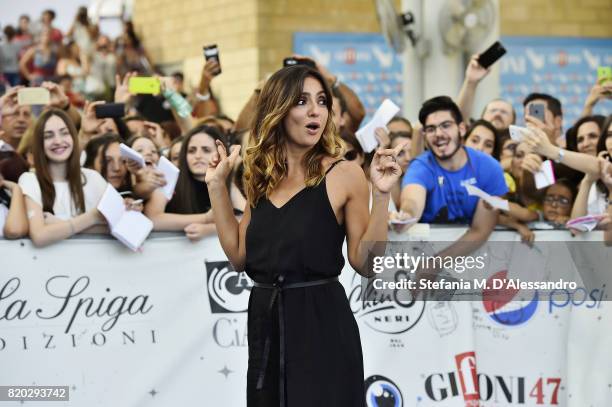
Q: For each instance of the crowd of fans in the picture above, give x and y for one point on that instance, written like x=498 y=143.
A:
x=56 y=160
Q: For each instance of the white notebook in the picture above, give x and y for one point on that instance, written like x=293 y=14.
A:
x=129 y=227
x=171 y=174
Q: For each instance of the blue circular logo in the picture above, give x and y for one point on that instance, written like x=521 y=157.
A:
x=382 y=392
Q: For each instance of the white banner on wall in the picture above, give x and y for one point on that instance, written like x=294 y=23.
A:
x=167 y=327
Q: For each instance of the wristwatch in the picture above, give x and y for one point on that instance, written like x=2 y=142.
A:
x=561 y=155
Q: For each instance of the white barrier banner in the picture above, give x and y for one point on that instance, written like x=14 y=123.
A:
x=167 y=327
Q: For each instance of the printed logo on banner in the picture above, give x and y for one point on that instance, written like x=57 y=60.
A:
x=497 y=390
x=466 y=367
x=76 y=312
x=442 y=316
x=579 y=297
x=228 y=291
x=382 y=392
x=385 y=313
x=504 y=309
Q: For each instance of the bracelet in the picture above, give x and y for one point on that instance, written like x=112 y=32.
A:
x=202 y=98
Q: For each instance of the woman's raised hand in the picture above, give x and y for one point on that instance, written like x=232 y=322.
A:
x=385 y=171
x=221 y=165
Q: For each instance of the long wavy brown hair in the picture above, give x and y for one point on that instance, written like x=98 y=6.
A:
x=41 y=163
x=265 y=158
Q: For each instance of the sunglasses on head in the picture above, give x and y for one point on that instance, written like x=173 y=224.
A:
x=350 y=155
x=405 y=134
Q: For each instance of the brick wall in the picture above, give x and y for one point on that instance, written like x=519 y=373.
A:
x=567 y=18
x=174 y=32
x=255 y=35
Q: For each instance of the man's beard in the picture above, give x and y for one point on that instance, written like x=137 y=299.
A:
x=452 y=154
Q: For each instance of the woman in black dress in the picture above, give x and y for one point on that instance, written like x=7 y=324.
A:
x=303 y=199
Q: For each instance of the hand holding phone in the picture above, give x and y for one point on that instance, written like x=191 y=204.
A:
x=212 y=52
x=491 y=55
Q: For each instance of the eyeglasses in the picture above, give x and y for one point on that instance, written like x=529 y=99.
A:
x=444 y=126
x=351 y=155
x=560 y=200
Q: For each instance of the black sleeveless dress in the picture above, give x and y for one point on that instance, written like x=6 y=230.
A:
x=304 y=345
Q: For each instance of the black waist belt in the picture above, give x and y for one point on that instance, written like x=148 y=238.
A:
x=278 y=287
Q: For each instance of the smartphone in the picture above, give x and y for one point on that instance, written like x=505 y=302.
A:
x=290 y=61
x=144 y=85
x=537 y=110
x=491 y=55
x=604 y=74
x=212 y=52
x=33 y=96
x=110 y=110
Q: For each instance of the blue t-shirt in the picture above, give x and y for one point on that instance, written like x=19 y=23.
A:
x=447 y=199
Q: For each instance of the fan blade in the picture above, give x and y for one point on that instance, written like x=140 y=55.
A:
x=454 y=36
x=455 y=8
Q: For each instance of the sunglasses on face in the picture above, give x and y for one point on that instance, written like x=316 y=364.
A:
x=351 y=155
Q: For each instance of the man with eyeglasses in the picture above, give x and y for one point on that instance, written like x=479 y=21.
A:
x=433 y=187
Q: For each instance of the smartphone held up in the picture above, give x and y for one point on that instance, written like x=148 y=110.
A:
x=144 y=85
x=491 y=55
x=33 y=96
x=109 y=110
x=290 y=61
x=212 y=52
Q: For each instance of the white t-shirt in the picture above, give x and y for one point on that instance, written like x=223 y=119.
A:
x=93 y=189
x=596 y=201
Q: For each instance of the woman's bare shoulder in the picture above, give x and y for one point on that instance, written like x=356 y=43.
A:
x=346 y=173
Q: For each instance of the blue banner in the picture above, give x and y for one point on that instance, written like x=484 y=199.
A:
x=563 y=67
x=362 y=61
